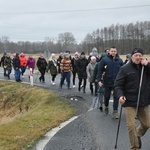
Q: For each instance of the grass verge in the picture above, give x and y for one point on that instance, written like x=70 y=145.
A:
x=27 y=113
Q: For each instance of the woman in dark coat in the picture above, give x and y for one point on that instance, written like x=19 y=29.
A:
x=81 y=65
x=8 y=65
x=42 y=64
x=74 y=70
x=52 y=66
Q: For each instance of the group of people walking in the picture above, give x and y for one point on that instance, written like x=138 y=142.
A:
x=19 y=63
x=108 y=72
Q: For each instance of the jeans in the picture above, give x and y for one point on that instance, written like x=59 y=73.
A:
x=65 y=75
x=17 y=74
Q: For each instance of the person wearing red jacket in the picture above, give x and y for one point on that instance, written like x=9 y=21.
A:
x=23 y=62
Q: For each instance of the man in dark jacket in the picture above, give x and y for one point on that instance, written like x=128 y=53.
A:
x=127 y=89
x=111 y=65
x=17 y=68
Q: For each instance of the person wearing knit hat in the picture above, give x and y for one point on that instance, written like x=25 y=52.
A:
x=131 y=76
x=23 y=62
x=137 y=50
x=81 y=65
x=52 y=66
x=93 y=57
x=90 y=71
x=74 y=70
x=82 y=53
x=94 y=53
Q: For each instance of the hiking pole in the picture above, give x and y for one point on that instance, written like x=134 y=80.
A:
x=118 y=127
x=139 y=93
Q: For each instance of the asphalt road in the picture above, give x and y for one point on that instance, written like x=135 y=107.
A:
x=91 y=130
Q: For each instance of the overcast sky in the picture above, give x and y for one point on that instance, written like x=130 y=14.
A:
x=33 y=20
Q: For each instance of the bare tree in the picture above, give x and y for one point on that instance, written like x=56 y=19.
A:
x=66 y=39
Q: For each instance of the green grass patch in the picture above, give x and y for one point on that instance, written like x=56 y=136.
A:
x=27 y=113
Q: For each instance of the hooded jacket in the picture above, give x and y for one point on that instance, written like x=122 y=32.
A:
x=127 y=84
x=23 y=60
x=111 y=67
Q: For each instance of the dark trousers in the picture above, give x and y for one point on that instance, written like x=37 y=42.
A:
x=92 y=89
x=8 y=72
x=80 y=83
x=65 y=75
x=74 y=77
x=23 y=69
x=53 y=77
x=4 y=71
x=107 y=95
x=42 y=77
x=17 y=74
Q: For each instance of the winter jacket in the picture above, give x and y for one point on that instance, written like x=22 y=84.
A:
x=2 y=60
x=66 y=65
x=94 y=79
x=16 y=62
x=23 y=60
x=127 y=84
x=41 y=63
x=111 y=67
x=90 y=71
x=74 y=65
x=81 y=65
x=8 y=63
x=52 y=66
x=30 y=63
x=58 y=63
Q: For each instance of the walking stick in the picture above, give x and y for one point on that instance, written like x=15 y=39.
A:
x=139 y=93
x=118 y=127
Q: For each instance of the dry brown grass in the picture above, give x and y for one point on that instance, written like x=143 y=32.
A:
x=27 y=113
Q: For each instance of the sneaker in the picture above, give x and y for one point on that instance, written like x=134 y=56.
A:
x=106 y=110
x=81 y=86
x=115 y=114
x=74 y=86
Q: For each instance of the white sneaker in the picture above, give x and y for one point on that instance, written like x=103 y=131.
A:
x=74 y=86
x=53 y=83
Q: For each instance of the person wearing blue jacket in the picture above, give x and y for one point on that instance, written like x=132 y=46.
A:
x=110 y=64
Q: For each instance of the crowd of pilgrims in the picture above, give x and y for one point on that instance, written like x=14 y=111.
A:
x=70 y=67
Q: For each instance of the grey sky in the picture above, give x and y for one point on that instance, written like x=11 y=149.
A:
x=33 y=20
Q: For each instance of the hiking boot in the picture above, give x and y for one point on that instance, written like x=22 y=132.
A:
x=106 y=110
x=115 y=114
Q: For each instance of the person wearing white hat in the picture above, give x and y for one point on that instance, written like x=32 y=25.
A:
x=74 y=70
x=52 y=66
x=90 y=70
